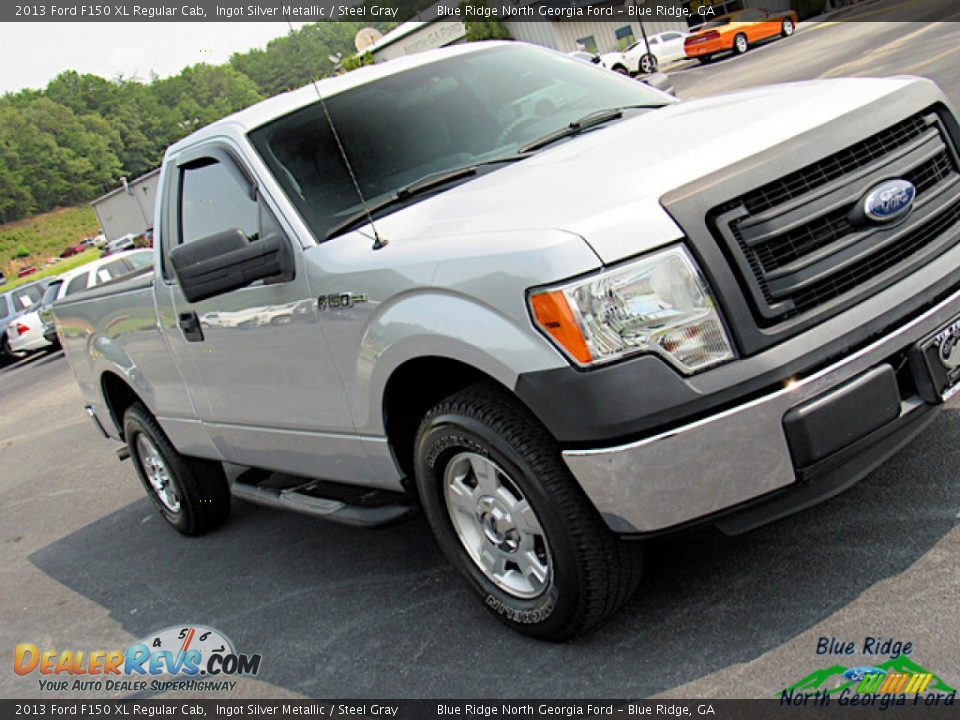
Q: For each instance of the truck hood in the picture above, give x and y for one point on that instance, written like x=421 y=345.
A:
x=606 y=184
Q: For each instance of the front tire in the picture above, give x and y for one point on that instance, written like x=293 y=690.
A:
x=787 y=28
x=511 y=518
x=620 y=70
x=191 y=494
x=705 y=59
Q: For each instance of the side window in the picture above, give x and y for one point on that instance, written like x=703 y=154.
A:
x=3 y=306
x=670 y=36
x=77 y=284
x=113 y=270
x=28 y=297
x=213 y=199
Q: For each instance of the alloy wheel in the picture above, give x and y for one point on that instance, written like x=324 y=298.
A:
x=497 y=525
x=155 y=468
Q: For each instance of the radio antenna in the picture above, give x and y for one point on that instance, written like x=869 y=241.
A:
x=378 y=242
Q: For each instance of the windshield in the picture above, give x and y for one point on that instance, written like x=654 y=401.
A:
x=454 y=112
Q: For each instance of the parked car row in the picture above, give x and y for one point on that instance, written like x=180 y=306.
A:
x=31 y=326
x=122 y=243
x=735 y=32
x=12 y=305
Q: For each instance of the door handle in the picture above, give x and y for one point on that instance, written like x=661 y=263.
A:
x=190 y=326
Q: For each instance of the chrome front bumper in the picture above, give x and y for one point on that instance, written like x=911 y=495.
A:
x=729 y=458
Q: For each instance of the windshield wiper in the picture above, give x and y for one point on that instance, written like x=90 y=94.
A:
x=422 y=185
x=586 y=122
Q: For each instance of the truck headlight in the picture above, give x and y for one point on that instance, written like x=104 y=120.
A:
x=659 y=303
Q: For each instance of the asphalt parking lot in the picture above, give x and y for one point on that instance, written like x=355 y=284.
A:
x=342 y=612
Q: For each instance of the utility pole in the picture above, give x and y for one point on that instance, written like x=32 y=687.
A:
x=643 y=32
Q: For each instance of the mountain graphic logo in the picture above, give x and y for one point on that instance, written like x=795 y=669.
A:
x=897 y=675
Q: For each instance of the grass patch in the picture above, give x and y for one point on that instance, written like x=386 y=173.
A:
x=58 y=268
x=43 y=237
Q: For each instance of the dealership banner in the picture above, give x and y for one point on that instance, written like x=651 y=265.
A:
x=773 y=709
x=694 y=12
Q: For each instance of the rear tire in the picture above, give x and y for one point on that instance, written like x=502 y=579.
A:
x=705 y=59
x=7 y=354
x=191 y=494
x=787 y=28
x=511 y=518
x=740 y=44
x=648 y=63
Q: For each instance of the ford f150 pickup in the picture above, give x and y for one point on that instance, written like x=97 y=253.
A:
x=411 y=286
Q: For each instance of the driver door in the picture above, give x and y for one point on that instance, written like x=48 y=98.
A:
x=262 y=379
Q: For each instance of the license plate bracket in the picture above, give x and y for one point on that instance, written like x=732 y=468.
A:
x=939 y=353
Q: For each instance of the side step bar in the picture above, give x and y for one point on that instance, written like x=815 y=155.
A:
x=337 y=511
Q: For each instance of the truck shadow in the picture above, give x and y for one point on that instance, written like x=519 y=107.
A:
x=341 y=612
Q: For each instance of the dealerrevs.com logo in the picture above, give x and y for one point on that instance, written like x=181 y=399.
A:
x=182 y=657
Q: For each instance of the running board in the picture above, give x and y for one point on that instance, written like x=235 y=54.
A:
x=330 y=509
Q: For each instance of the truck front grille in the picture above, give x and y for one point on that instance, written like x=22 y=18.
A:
x=794 y=240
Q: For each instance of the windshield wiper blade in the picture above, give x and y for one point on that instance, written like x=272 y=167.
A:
x=425 y=183
x=407 y=191
x=586 y=122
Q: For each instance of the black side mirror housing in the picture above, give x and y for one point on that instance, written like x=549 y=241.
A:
x=229 y=261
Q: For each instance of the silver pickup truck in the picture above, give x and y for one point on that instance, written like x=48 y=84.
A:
x=556 y=309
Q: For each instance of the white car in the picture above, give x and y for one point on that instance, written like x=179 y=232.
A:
x=26 y=333
x=665 y=47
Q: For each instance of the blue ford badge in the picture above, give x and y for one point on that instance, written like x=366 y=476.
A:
x=889 y=201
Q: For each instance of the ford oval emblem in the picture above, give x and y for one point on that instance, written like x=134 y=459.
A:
x=889 y=201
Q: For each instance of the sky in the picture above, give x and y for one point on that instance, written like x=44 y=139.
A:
x=32 y=54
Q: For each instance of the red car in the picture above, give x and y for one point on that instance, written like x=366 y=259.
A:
x=24 y=271
x=72 y=250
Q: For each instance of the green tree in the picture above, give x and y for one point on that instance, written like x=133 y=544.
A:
x=485 y=29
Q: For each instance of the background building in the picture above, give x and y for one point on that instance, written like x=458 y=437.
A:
x=416 y=36
x=128 y=209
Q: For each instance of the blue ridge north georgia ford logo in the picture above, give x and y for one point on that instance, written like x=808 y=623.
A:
x=889 y=201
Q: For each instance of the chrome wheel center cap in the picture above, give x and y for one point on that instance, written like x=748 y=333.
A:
x=498 y=526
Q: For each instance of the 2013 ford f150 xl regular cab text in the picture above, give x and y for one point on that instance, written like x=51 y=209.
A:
x=411 y=285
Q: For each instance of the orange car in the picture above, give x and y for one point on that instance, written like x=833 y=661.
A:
x=737 y=31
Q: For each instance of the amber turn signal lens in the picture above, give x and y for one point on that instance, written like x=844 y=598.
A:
x=553 y=314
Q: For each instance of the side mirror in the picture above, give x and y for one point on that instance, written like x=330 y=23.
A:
x=228 y=261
